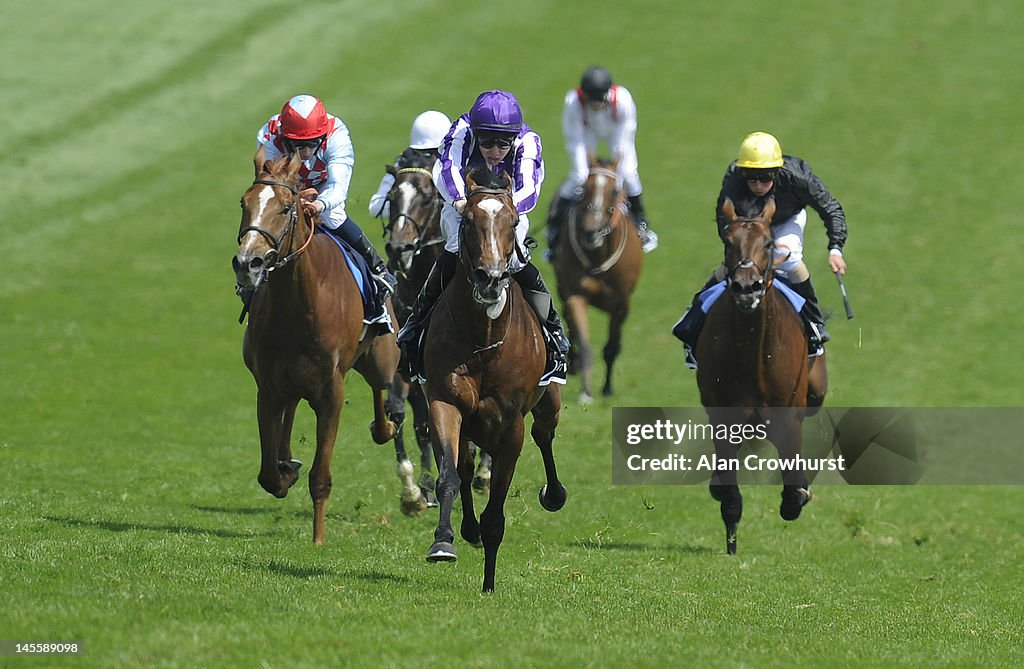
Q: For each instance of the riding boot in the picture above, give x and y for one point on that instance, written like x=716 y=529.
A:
x=688 y=328
x=814 y=320
x=558 y=213
x=411 y=333
x=555 y=342
x=353 y=234
x=648 y=238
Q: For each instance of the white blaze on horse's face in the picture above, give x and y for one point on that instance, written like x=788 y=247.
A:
x=491 y=209
x=251 y=240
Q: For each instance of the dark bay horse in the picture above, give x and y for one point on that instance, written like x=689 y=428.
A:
x=598 y=264
x=484 y=356
x=305 y=331
x=414 y=242
x=753 y=366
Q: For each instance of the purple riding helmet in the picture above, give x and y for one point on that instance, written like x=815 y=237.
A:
x=496 y=111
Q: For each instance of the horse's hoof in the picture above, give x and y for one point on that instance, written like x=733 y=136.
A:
x=414 y=507
x=586 y=399
x=793 y=502
x=482 y=484
x=555 y=500
x=386 y=434
x=442 y=551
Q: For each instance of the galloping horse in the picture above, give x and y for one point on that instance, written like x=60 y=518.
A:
x=598 y=264
x=484 y=356
x=305 y=331
x=753 y=367
x=414 y=243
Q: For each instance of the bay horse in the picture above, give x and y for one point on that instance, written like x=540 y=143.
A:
x=599 y=262
x=484 y=356
x=414 y=243
x=753 y=365
x=305 y=331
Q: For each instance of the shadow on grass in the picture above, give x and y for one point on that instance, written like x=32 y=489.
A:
x=115 y=526
x=594 y=544
x=250 y=511
x=307 y=573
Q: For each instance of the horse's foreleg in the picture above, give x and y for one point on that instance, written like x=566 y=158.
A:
x=725 y=489
x=278 y=472
x=785 y=433
x=470 y=529
x=381 y=429
x=328 y=415
x=492 y=521
x=545 y=422
x=614 y=345
x=817 y=383
x=446 y=426
x=579 y=326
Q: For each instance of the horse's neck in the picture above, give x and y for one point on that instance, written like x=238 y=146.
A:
x=295 y=285
x=472 y=318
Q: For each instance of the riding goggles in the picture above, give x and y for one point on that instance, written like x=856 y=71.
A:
x=491 y=142
x=763 y=176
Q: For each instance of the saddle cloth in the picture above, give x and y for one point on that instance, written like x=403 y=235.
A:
x=373 y=303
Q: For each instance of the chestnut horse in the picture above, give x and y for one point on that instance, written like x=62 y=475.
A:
x=484 y=356
x=753 y=366
x=305 y=331
x=414 y=243
x=599 y=263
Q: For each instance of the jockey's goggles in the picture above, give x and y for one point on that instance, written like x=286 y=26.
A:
x=489 y=142
x=764 y=176
x=297 y=144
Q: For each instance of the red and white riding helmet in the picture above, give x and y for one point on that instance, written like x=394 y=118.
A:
x=304 y=117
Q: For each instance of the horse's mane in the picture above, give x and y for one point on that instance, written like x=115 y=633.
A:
x=485 y=178
x=278 y=169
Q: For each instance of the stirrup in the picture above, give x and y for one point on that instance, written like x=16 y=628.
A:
x=648 y=240
x=688 y=358
x=386 y=280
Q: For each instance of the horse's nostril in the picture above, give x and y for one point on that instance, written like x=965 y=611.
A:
x=255 y=264
x=234 y=264
x=735 y=287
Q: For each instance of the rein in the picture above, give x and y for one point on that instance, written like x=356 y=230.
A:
x=574 y=240
x=436 y=202
x=288 y=231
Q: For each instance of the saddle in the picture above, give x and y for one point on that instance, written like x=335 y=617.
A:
x=374 y=301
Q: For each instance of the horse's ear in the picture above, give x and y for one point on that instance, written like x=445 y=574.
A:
x=591 y=158
x=768 y=212
x=470 y=181
x=294 y=163
x=728 y=209
x=510 y=185
x=259 y=161
x=391 y=169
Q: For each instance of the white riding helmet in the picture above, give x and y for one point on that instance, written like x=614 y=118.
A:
x=428 y=130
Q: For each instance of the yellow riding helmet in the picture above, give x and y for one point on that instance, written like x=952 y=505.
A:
x=759 y=151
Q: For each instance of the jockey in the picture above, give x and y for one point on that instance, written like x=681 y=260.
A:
x=761 y=171
x=491 y=134
x=322 y=142
x=599 y=110
x=428 y=129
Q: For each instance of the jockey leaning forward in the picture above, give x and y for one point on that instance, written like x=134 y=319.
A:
x=493 y=134
x=428 y=129
x=325 y=148
x=761 y=171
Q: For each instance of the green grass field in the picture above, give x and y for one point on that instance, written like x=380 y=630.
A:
x=130 y=515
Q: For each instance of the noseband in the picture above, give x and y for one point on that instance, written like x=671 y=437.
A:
x=766 y=276
x=293 y=218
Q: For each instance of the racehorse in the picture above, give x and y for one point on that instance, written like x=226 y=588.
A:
x=753 y=365
x=305 y=331
x=414 y=242
x=599 y=263
x=483 y=359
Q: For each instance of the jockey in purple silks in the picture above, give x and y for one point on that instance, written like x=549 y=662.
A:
x=492 y=134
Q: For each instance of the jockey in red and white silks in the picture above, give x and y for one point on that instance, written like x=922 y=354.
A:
x=584 y=128
x=523 y=163
x=329 y=170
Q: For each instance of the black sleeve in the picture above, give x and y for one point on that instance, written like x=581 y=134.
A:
x=821 y=200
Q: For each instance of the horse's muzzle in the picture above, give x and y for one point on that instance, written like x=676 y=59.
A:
x=489 y=284
x=747 y=295
x=250 y=269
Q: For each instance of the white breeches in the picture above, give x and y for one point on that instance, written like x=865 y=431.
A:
x=451 y=219
x=789 y=245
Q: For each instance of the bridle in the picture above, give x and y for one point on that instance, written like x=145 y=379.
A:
x=758 y=288
x=418 y=244
x=600 y=235
x=289 y=231
x=462 y=226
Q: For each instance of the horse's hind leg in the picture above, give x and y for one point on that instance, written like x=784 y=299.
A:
x=785 y=433
x=614 y=345
x=278 y=471
x=412 y=501
x=482 y=473
x=545 y=421
x=421 y=425
x=492 y=520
